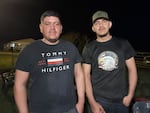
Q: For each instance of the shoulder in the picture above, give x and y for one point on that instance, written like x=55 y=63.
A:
x=89 y=47
x=91 y=44
x=36 y=42
x=32 y=45
x=120 y=41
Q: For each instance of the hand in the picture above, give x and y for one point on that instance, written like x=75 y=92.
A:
x=127 y=100
x=97 y=108
x=80 y=107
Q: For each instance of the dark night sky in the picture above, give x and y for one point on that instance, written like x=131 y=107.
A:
x=131 y=18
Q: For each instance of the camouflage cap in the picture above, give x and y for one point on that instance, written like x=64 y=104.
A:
x=100 y=14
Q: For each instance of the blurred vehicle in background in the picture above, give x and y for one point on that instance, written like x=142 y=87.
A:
x=142 y=59
x=17 y=45
x=147 y=59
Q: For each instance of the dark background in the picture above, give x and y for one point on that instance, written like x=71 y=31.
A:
x=131 y=18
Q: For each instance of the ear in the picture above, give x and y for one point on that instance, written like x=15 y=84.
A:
x=110 y=24
x=40 y=26
x=61 y=28
x=93 y=29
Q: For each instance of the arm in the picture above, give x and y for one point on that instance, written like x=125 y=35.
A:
x=80 y=85
x=132 y=73
x=20 y=91
x=96 y=107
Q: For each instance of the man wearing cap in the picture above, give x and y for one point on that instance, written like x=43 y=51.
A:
x=105 y=61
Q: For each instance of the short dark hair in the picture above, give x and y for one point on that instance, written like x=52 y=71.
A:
x=50 y=13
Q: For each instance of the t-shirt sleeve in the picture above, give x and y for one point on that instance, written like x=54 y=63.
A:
x=24 y=60
x=86 y=57
x=129 y=50
x=77 y=57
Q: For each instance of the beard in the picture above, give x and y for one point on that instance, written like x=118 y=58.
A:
x=103 y=35
x=52 y=40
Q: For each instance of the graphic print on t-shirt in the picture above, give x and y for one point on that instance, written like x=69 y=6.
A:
x=55 y=61
x=108 y=60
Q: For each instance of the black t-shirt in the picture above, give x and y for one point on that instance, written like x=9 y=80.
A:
x=108 y=70
x=51 y=68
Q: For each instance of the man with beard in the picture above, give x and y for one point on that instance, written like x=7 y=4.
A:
x=52 y=67
x=105 y=61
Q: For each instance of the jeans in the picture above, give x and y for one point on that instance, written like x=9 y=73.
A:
x=73 y=110
x=112 y=107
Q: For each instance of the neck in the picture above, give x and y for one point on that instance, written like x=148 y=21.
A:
x=50 y=42
x=104 y=39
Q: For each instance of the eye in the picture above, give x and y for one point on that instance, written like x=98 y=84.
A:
x=46 y=23
x=96 y=23
x=104 y=21
x=57 y=24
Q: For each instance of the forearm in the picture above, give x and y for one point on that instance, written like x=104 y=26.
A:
x=132 y=83
x=20 y=95
x=81 y=97
x=88 y=83
x=89 y=91
x=132 y=76
x=80 y=85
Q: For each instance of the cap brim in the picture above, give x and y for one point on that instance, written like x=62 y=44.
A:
x=101 y=18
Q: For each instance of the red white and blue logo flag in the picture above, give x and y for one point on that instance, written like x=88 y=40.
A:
x=54 y=61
